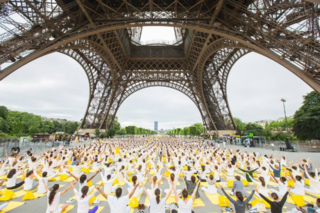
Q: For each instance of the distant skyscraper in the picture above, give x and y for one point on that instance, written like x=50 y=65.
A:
x=156 y=126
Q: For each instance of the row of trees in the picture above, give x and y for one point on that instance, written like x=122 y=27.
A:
x=273 y=131
x=133 y=130
x=129 y=130
x=18 y=124
x=195 y=130
x=305 y=124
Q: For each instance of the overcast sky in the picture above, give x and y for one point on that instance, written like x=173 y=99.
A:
x=56 y=86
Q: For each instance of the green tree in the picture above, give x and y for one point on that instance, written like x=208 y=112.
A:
x=4 y=112
x=186 y=131
x=267 y=132
x=4 y=127
x=121 y=131
x=97 y=132
x=241 y=127
x=110 y=133
x=256 y=129
x=193 y=130
x=307 y=118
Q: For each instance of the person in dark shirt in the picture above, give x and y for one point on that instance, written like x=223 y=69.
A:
x=276 y=205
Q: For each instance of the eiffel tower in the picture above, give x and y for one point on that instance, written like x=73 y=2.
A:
x=211 y=35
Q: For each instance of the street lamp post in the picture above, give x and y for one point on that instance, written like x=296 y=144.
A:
x=285 y=117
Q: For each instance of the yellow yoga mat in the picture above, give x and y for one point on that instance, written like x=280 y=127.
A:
x=12 y=205
x=138 y=198
x=146 y=202
x=37 y=195
x=152 y=172
x=19 y=193
x=70 y=207
x=70 y=179
x=171 y=199
x=309 y=199
x=214 y=199
x=305 y=197
x=196 y=203
x=271 y=183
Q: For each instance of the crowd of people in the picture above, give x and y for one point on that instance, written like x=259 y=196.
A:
x=130 y=167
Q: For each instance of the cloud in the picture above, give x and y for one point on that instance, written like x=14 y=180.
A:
x=256 y=85
x=52 y=86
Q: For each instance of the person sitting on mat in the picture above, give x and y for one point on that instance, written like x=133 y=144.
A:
x=83 y=199
x=238 y=186
x=29 y=181
x=276 y=205
x=185 y=204
x=53 y=199
x=240 y=204
x=12 y=178
x=311 y=210
x=157 y=205
x=313 y=180
x=192 y=185
x=211 y=189
x=117 y=203
x=83 y=180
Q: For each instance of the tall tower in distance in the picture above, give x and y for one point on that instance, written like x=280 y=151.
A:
x=156 y=126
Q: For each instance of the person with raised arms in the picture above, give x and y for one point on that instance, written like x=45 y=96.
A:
x=117 y=203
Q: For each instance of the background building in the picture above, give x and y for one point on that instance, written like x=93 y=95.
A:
x=156 y=126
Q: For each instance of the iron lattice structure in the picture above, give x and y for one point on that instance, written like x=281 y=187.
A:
x=103 y=36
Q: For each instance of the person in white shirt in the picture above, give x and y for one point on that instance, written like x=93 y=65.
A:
x=189 y=173
x=157 y=205
x=173 y=179
x=314 y=181
x=107 y=182
x=42 y=188
x=117 y=203
x=132 y=184
x=12 y=178
x=298 y=185
x=282 y=185
x=83 y=180
x=211 y=189
x=29 y=183
x=53 y=199
x=83 y=199
x=3 y=166
x=185 y=204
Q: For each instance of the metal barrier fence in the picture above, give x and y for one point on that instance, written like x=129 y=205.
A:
x=311 y=146
x=7 y=144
